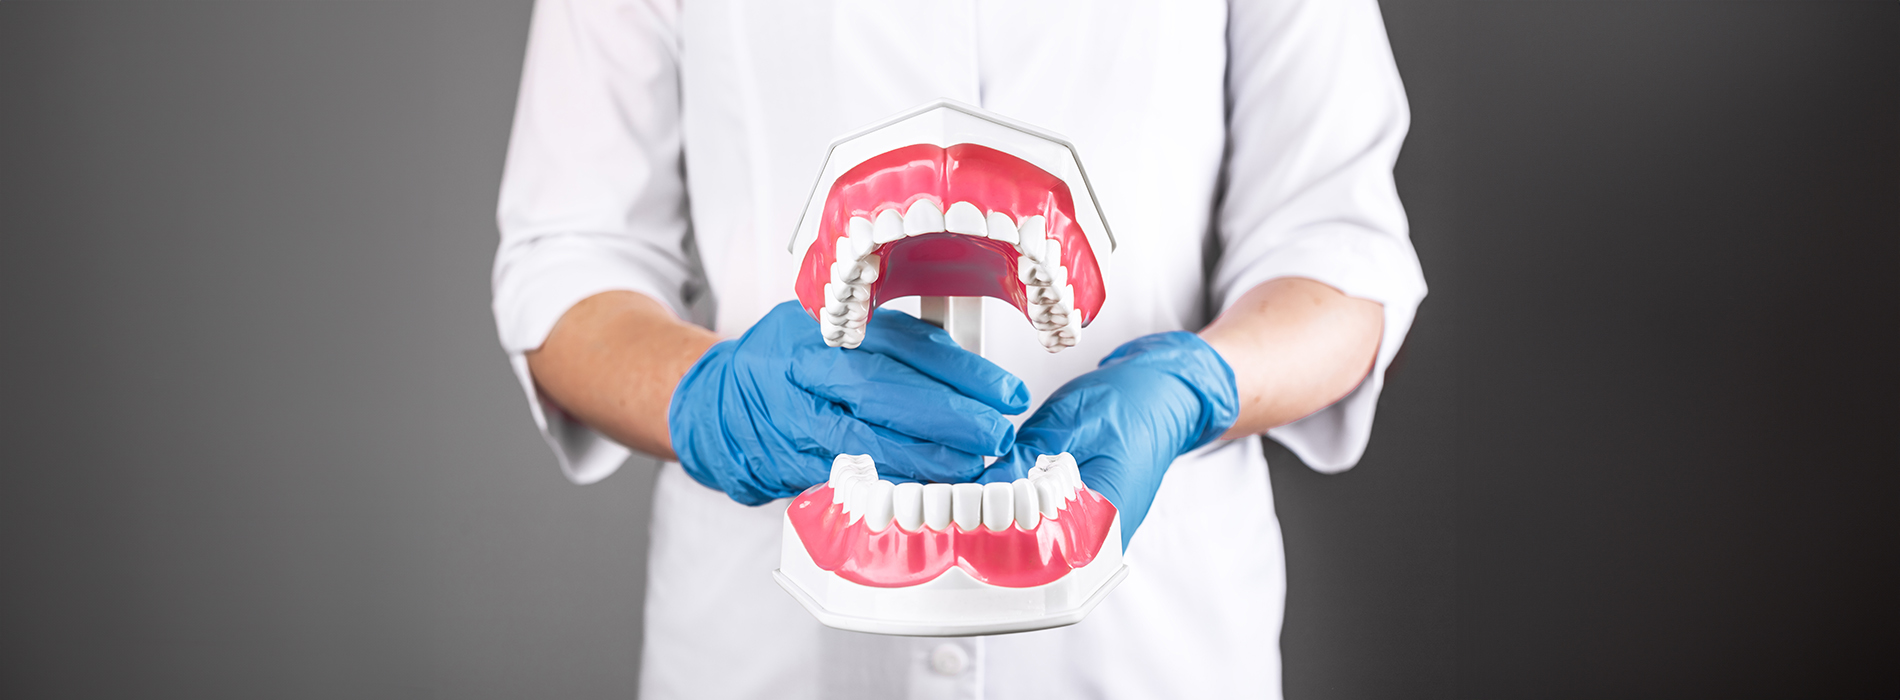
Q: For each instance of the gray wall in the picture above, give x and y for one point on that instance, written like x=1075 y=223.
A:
x=259 y=441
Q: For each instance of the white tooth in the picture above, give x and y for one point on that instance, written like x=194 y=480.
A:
x=889 y=227
x=999 y=510
x=937 y=506
x=1048 y=339
x=844 y=251
x=1068 y=295
x=1053 y=253
x=1071 y=472
x=857 y=312
x=1002 y=228
x=845 y=270
x=854 y=499
x=838 y=290
x=851 y=338
x=868 y=268
x=1067 y=331
x=923 y=217
x=834 y=343
x=907 y=504
x=845 y=467
x=850 y=323
x=1025 y=269
x=1030 y=232
x=833 y=305
x=877 y=504
x=1044 y=295
x=1028 y=509
x=1042 y=276
x=832 y=332
x=1049 y=496
x=965 y=218
x=861 y=239
x=966 y=505
x=1058 y=276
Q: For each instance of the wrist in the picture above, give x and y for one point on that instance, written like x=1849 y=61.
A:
x=1205 y=377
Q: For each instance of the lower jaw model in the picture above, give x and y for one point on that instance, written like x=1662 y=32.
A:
x=868 y=555
x=950 y=203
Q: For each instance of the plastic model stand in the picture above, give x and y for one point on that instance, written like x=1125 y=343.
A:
x=951 y=203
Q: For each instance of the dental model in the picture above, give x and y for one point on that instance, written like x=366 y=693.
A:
x=951 y=203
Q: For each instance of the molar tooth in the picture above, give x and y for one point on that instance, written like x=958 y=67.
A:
x=937 y=506
x=845 y=467
x=965 y=218
x=888 y=227
x=857 y=312
x=1002 y=228
x=1025 y=269
x=1048 y=496
x=1042 y=276
x=838 y=290
x=907 y=504
x=999 y=509
x=1031 y=233
x=1058 y=275
x=860 y=293
x=923 y=217
x=862 y=241
x=868 y=272
x=831 y=331
x=877 y=504
x=1050 y=341
x=851 y=338
x=966 y=505
x=843 y=251
x=1028 y=509
x=854 y=500
x=1053 y=252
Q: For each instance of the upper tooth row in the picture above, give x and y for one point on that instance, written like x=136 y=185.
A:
x=1039 y=267
x=997 y=506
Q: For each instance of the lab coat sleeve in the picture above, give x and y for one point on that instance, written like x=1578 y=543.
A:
x=592 y=195
x=1317 y=115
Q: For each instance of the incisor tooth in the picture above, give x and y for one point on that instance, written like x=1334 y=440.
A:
x=888 y=227
x=907 y=504
x=937 y=506
x=999 y=510
x=1001 y=228
x=877 y=504
x=1028 y=511
x=923 y=217
x=966 y=505
x=965 y=218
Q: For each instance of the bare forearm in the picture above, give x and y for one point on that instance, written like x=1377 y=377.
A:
x=613 y=360
x=1296 y=346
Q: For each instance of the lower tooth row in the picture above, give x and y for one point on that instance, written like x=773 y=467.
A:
x=997 y=506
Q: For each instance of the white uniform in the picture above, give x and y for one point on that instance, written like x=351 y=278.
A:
x=629 y=106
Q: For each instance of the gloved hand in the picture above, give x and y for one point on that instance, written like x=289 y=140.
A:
x=763 y=416
x=1152 y=400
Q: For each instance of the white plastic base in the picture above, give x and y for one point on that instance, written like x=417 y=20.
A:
x=953 y=604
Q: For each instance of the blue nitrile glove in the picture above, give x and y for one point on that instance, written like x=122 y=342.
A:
x=763 y=416
x=1152 y=400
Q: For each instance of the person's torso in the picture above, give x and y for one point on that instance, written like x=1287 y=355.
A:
x=1138 y=87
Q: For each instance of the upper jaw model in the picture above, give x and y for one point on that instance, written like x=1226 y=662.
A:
x=948 y=200
x=951 y=203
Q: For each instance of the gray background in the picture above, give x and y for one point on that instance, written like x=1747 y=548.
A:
x=260 y=442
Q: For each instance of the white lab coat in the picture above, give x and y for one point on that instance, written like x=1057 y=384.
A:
x=627 y=107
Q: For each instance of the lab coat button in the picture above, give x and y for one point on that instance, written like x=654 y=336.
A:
x=949 y=659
